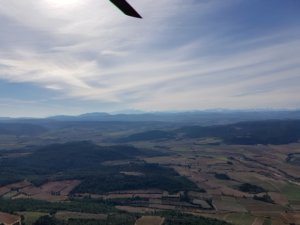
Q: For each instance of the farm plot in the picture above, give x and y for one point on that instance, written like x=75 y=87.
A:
x=135 y=174
x=51 y=191
x=256 y=178
x=66 y=215
x=199 y=195
x=291 y=217
x=188 y=172
x=133 y=209
x=292 y=191
x=233 y=218
x=258 y=221
x=278 y=198
x=4 y=190
x=227 y=191
x=203 y=204
x=18 y=185
x=296 y=217
x=228 y=205
x=261 y=208
x=295 y=206
x=61 y=187
x=240 y=218
x=31 y=217
x=6 y=218
x=150 y=220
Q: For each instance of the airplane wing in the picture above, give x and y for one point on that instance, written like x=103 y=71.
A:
x=126 y=8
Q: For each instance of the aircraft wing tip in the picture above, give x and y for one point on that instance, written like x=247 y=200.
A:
x=126 y=8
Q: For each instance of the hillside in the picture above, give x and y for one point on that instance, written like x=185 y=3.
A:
x=244 y=133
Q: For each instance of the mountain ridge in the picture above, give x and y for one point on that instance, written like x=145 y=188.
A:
x=209 y=117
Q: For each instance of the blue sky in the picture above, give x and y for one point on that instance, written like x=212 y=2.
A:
x=73 y=56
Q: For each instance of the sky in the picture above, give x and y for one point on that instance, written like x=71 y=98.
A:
x=78 y=56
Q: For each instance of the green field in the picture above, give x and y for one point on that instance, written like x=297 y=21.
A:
x=292 y=192
x=31 y=217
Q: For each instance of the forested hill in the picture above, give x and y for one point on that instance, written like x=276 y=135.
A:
x=74 y=155
x=245 y=133
x=21 y=129
x=84 y=161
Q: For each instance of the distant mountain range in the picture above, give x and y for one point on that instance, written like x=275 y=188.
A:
x=198 y=117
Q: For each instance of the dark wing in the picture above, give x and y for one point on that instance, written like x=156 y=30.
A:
x=124 y=6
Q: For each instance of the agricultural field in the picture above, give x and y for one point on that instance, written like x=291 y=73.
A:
x=241 y=165
x=144 y=177
x=50 y=191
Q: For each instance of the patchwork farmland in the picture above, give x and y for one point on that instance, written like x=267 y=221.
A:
x=157 y=181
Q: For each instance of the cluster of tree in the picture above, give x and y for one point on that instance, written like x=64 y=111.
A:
x=294 y=158
x=222 y=176
x=86 y=205
x=178 y=218
x=251 y=188
x=116 y=219
x=148 y=136
x=171 y=218
x=153 y=176
x=116 y=182
x=264 y=198
x=72 y=155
